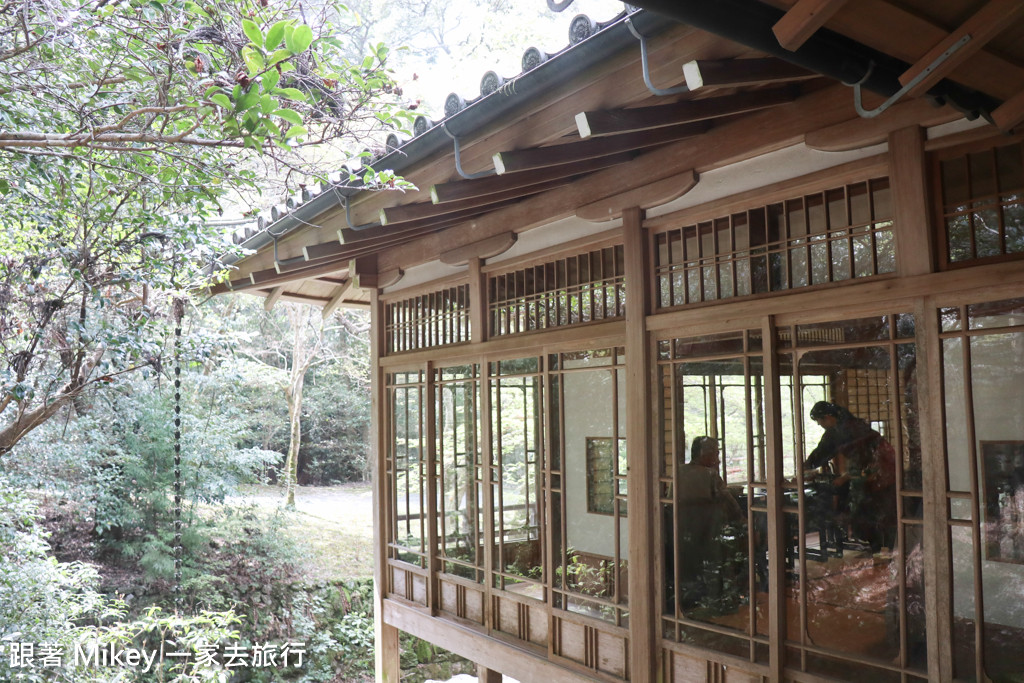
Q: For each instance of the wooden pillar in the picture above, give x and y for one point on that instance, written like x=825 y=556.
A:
x=938 y=594
x=387 y=667
x=485 y=675
x=430 y=427
x=477 y=301
x=644 y=648
x=915 y=238
x=776 y=520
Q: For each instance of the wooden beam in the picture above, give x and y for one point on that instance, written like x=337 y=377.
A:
x=478 y=187
x=337 y=296
x=543 y=157
x=273 y=298
x=802 y=20
x=915 y=241
x=983 y=26
x=733 y=73
x=363 y=270
x=858 y=133
x=396 y=215
x=616 y=121
x=645 y=197
x=482 y=249
x=1010 y=113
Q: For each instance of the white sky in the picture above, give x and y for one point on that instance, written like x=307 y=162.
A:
x=461 y=74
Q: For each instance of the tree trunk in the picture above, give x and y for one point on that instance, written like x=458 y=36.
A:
x=303 y=355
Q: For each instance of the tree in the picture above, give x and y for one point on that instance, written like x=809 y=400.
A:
x=307 y=340
x=123 y=125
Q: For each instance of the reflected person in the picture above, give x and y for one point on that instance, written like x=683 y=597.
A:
x=708 y=516
x=863 y=466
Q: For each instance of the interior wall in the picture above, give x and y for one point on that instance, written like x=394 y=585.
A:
x=997 y=374
x=588 y=412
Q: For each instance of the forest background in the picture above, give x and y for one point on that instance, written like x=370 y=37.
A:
x=134 y=136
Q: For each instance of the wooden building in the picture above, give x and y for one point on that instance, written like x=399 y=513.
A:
x=700 y=220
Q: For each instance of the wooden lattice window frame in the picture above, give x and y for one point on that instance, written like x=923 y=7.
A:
x=795 y=241
x=428 y=320
x=961 y=219
x=572 y=290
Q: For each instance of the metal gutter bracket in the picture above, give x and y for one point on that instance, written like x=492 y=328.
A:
x=458 y=158
x=278 y=263
x=348 y=219
x=661 y=92
x=872 y=113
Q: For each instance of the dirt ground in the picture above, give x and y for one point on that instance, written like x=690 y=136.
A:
x=334 y=522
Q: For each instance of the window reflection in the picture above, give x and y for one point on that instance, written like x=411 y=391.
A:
x=853 y=572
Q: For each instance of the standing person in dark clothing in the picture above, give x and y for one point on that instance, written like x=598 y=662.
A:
x=864 y=466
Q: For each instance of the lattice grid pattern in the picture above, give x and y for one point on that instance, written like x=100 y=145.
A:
x=434 y=319
x=838 y=234
x=569 y=291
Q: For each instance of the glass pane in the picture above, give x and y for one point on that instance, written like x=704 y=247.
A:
x=985 y=220
x=716 y=568
x=844 y=332
x=996 y=314
x=460 y=497
x=516 y=492
x=591 y=559
x=409 y=469
x=856 y=416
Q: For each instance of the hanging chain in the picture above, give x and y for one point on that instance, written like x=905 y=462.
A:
x=179 y=314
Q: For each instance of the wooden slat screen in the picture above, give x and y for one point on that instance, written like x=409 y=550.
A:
x=434 y=319
x=838 y=234
x=569 y=291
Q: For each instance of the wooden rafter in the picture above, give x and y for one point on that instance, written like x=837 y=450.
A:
x=543 y=157
x=1010 y=114
x=718 y=73
x=337 y=296
x=802 y=20
x=479 y=187
x=397 y=215
x=615 y=121
x=982 y=27
x=273 y=298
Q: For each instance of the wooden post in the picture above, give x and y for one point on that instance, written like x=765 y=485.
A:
x=938 y=598
x=915 y=238
x=644 y=650
x=485 y=675
x=477 y=301
x=430 y=427
x=387 y=667
x=776 y=521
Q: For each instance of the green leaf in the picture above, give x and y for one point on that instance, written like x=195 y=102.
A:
x=221 y=99
x=279 y=56
x=295 y=131
x=270 y=80
x=276 y=34
x=267 y=104
x=253 y=60
x=248 y=100
x=289 y=115
x=252 y=32
x=5 y=186
x=302 y=37
x=285 y=67
x=211 y=90
x=291 y=94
